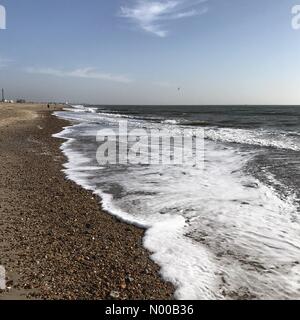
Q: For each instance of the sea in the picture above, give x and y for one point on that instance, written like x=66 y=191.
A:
x=229 y=229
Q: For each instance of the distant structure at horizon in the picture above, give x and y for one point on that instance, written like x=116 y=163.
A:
x=3 y=100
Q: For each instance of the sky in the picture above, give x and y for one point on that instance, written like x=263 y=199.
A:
x=142 y=52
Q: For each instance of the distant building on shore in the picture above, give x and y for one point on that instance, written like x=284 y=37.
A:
x=3 y=100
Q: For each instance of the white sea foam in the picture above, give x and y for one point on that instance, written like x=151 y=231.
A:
x=254 y=137
x=170 y=121
x=216 y=233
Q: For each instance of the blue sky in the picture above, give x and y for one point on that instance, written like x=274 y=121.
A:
x=140 y=52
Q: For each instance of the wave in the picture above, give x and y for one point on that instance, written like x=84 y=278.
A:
x=217 y=233
x=255 y=137
x=284 y=140
x=198 y=124
x=170 y=121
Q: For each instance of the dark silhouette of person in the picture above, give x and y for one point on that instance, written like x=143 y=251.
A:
x=48 y=106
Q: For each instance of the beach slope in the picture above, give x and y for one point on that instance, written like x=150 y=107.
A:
x=55 y=242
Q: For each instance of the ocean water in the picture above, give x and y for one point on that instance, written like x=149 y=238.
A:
x=230 y=230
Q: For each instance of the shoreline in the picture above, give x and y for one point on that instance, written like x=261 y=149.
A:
x=57 y=242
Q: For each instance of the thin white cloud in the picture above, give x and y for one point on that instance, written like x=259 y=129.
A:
x=87 y=73
x=4 y=62
x=152 y=16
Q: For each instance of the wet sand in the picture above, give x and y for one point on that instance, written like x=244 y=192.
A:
x=55 y=241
